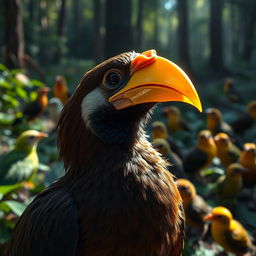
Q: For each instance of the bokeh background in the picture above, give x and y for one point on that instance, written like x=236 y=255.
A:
x=212 y=40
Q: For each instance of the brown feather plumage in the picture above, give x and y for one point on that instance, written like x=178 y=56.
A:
x=126 y=201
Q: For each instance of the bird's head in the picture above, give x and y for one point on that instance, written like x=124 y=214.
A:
x=42 y=92
x=159 y=130
x=235 y=170
x=222 y=141
x=251 y=109
x=172 y=112
x=206 y=142
x=213 y=117
x=248 y=156
x=162 y=146
x=228 y=83
x=220 y=215
x=28 y=140
x=60 y=82
x=187 y=189
x=113 y=99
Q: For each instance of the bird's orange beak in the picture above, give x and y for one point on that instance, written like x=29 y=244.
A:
x=155 y=79
x=42 y=135
x=209 y=217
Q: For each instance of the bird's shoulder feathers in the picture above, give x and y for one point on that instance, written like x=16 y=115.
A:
x=50 y=223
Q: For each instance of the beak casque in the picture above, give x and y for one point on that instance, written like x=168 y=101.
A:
x=155 y=79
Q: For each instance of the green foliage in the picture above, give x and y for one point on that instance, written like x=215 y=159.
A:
x=15 y=89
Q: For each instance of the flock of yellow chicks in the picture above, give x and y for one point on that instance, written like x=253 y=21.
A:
x=219 y=140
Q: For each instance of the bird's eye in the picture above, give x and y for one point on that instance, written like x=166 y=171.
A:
x=31 y=137
x=112 y=79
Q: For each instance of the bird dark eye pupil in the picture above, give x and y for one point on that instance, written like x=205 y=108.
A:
x=113 y=79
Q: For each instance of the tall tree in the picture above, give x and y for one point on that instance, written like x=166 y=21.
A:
x=43 y=23
x=139 y=25
x=119 y=36
x=14 y=34
x=249 y=29
x=76 y=27
x=97 y=40
x=216 y=42
x=183 y=33
x=61 y=30
x=30 y=25
x=156 y=23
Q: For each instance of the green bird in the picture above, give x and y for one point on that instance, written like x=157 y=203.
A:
x=21 y=163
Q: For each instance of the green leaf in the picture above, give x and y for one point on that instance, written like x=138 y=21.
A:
x=16 y=207
x=36 y=83
x=5 y=118
x=21 y=93
x=5 y=84
x=32 y=95
x=15 y=71
x=3 y=67
x=10 y=99
x=214 y=170
x=9 y=188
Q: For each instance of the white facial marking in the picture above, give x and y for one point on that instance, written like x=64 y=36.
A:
x=90 y=103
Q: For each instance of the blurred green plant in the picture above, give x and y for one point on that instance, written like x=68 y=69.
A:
x=15 y=90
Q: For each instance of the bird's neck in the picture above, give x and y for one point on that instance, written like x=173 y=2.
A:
x=96 y=155
x=25 y=148
x=43 y=101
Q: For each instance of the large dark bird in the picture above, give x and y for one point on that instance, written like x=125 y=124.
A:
x=117 y=197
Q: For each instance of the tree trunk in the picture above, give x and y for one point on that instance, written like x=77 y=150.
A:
x=42 y=55
x=29 y=36
x=60 y=30
x=156 y=25
x=97 y=40
x=139 y=26
x=216 y=42
x=14 y=34
x=118 y=27
x=183 y=33
x=76 y=25
x=249 y=35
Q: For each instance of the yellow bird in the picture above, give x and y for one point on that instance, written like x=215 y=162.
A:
x=159 y=131
x=248 y=160
x=231 y=184
x=200 y=156
x=174 y=119
x=231 y=92
x=176 y=166
x=229 y=233
x=194 y=205
x=227 y=152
